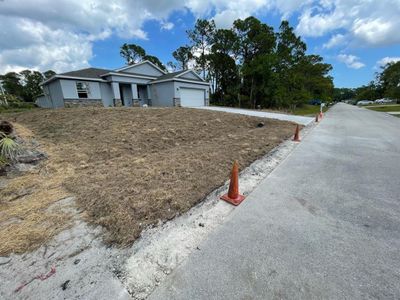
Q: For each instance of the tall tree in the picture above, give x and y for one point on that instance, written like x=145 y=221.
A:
x=183 y=55
x=155 y=61
x=201 y=38
x=12 y=84
x=132 y=53
x=48 y=74
x=390 y=80
x=31 y=84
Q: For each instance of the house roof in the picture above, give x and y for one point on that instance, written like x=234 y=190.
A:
x=87 y=73
x=98 y=74
x=175 y=74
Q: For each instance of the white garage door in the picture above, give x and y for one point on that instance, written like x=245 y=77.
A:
x=192 y=97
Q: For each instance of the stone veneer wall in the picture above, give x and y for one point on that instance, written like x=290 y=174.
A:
x=83 y=102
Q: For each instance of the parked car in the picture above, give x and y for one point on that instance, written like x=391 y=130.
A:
x=365 y=102
x=315 y=102
x=383 y=101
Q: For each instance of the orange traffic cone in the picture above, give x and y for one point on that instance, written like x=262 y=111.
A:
x=321 y=115
x=316 y=118
x=233 y=195
x=297 y=134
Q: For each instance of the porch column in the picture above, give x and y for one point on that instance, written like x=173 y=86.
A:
x=135 y=95
x=116 y=93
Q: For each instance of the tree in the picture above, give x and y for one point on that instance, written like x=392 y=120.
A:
x=155 y=61
x=11 y=83
x=389 y=80
x=183 y=55
x=172 y=66
x=201 y=38
x=48 y=74
x=31 y=84
x=132 y=53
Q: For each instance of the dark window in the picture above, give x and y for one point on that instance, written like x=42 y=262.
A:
x=82 y=89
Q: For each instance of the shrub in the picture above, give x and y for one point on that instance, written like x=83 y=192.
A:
x=9 y=148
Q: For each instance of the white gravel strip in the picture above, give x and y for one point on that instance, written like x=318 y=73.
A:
x=297 y=119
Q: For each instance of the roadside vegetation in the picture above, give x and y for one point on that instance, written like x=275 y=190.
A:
x=250 y=65
x=384 y=108
x=127 y=168
x=385 y=85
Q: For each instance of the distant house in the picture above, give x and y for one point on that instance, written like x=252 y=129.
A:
x=133 y=85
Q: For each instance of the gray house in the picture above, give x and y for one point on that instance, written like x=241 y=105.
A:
x=133 y=85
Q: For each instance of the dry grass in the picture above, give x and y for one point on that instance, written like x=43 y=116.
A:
x=130 y=168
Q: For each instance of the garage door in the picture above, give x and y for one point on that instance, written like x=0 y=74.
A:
x=192 y=97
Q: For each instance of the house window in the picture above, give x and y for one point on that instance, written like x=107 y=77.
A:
x=82 y=89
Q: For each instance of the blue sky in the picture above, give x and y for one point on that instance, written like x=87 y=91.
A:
x=355 y=36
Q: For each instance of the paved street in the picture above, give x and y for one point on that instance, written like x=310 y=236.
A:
x=325 y=224
x=263 y=114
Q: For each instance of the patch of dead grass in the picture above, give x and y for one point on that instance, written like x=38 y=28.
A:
x=130 y=168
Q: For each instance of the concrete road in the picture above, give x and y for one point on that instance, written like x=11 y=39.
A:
x=263 y=114
x=324 y=225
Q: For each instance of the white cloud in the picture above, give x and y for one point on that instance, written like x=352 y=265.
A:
x=335 y=41
x=351 y=61
x=366 y=23
x=59 y=35
x=167 y=25
x=384 y=61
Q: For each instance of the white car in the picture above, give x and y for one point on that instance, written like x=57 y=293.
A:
x=383 y=101
x=365 y=102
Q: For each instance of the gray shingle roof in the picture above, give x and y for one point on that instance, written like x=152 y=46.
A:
x=172 y=75
x=87 y=73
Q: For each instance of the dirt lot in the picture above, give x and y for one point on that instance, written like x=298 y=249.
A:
x=128 y=168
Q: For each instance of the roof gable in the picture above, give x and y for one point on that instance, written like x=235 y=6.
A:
x=190 y=74
x=143 y=68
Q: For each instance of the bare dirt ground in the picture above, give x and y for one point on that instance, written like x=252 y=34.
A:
x=128 y=168
x=76 y=264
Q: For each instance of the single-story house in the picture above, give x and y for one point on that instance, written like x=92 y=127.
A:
x=133 y=85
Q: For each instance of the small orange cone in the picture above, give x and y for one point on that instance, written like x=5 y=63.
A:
x=321 y=115
x=316 y=118
x=233 y=195
x=297 y=134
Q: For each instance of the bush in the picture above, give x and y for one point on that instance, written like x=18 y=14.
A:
x=9 y=148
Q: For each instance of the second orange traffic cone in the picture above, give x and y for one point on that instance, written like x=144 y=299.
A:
x=233 y=195
x=321 y=115
x=296 y=137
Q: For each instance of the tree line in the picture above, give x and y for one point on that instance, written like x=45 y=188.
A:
x=24 y=85
x=385 y=85
x=250 y=65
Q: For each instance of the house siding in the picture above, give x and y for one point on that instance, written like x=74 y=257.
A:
x=189 y=76
x=70 y=92
x=145 y=69
x=107 y=95
x=163 y=94
x=55 y=94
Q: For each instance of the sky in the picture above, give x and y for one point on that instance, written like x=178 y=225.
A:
x=356 y=36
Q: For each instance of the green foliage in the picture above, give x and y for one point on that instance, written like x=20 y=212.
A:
x=155 y=60
x=10 y=103
x=183 y=55
x=389 y=80
x=201 y=38
x=341 y=94
x=24 y=85
x=9 y=148
x=249 y=65
x=132 y=53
